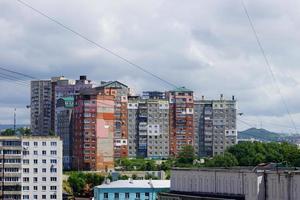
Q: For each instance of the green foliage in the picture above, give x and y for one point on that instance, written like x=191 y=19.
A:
x=19 y=131
x=150 y=176
x=226 y=160
x=252 y=154
x=123 y=177
x=82 y=184
x=134 y=177
x=186 y=155
x=137 y=164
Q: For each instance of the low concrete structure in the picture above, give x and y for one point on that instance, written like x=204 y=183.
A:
x=235 y=183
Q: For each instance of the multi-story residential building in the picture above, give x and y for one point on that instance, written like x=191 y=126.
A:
x=148 y=127
x=41 y=98
x=10 y=169
x=42 y=168
x=131 y=189
x=181 y=119
x=215 y=126
x=120 y=93
x=32 y=167
x=93 y=146
x=65 y=90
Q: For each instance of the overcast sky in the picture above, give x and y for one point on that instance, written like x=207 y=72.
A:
x=207 y=46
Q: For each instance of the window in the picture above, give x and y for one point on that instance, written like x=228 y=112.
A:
x=105 y=195
x=35 y=153
x=43 y=187
x=44 y=152
x=25 y=187
x=25 y=196
x=147 y=195
x=25 y=143
x=53 y=170
x=35 y=179
x=44 y=170
x=26 y=161
x=53 y=196
x=44 y=143
x=116 y=195
x=35 y=170
x=35 y=196
x=35 y=144
x=44 y=179
x=53 y=161
x=25 y=170
x=43 y=196
x=137 y=195
x=25 y=153
x=52 y=187
x=44 y=161
x=126 y=195
x=53 y=143
x=35 y=161
x=53 y=152
x=53 y=179
x=25 y=179
x=35 y=188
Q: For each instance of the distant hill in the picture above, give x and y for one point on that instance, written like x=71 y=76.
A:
x=259 y=134
x=6 y=126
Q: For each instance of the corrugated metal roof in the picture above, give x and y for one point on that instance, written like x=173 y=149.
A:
x=136 y=184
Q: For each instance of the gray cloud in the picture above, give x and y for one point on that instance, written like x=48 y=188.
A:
x=207 y=46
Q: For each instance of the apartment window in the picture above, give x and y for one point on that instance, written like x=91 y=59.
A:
x=26 y=161
x=105 y=195
x=44 y=152
x=53 y=179
x=35 y=196
x=116 y=195
x=25 y=153
x=25 y=170
x=44 y=143
x=43 y=187
x=44 y=179
x=25 y=196
x=35 y=161
x=53 y=161
x=53 y=196
x=35 y=179
x=25 y=188
x=25 y=179
x=35 y=144
x=43 y=196
x=25 y=143
x=52 y=187
x=44 y=161
x=53 y=170
x=147 y=195
x=53 y=143
x=53 y=152
x=126 y=195
x=35 y=153
x=44 y=170
x=35 y=188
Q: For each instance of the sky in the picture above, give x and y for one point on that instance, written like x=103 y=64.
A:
x=206 y=46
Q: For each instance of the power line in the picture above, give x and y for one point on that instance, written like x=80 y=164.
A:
x=268 y=65
x=16 y=82
x=19 y=73
x=97 y=44
x=14 y=78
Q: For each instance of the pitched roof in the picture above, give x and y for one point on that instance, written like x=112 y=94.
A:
x=112 y=84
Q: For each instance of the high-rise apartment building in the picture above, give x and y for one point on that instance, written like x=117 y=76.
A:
x=215 y=125
x=65 y=90
x=11 y=168
x=148 y=126
x=93 y=142
x=41 y=98
x=32 y=167
x=120 y=93
x=181 y=102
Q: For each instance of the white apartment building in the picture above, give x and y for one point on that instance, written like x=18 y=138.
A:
x=42 y=168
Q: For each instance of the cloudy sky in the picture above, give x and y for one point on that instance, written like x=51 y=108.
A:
x=207 y=46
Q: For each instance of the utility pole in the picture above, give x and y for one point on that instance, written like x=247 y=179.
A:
x=3 y=174
x=15 y=121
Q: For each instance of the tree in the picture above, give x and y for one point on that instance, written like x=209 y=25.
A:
x=77 y=183
x=186 y=155
x=226 y=160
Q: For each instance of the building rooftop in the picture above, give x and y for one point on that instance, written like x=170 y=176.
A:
x=181 y=89
x=136 y=184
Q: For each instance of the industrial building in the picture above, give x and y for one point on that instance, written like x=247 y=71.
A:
x=234 y=183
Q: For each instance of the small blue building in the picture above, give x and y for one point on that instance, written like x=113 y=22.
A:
x=131 y=189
